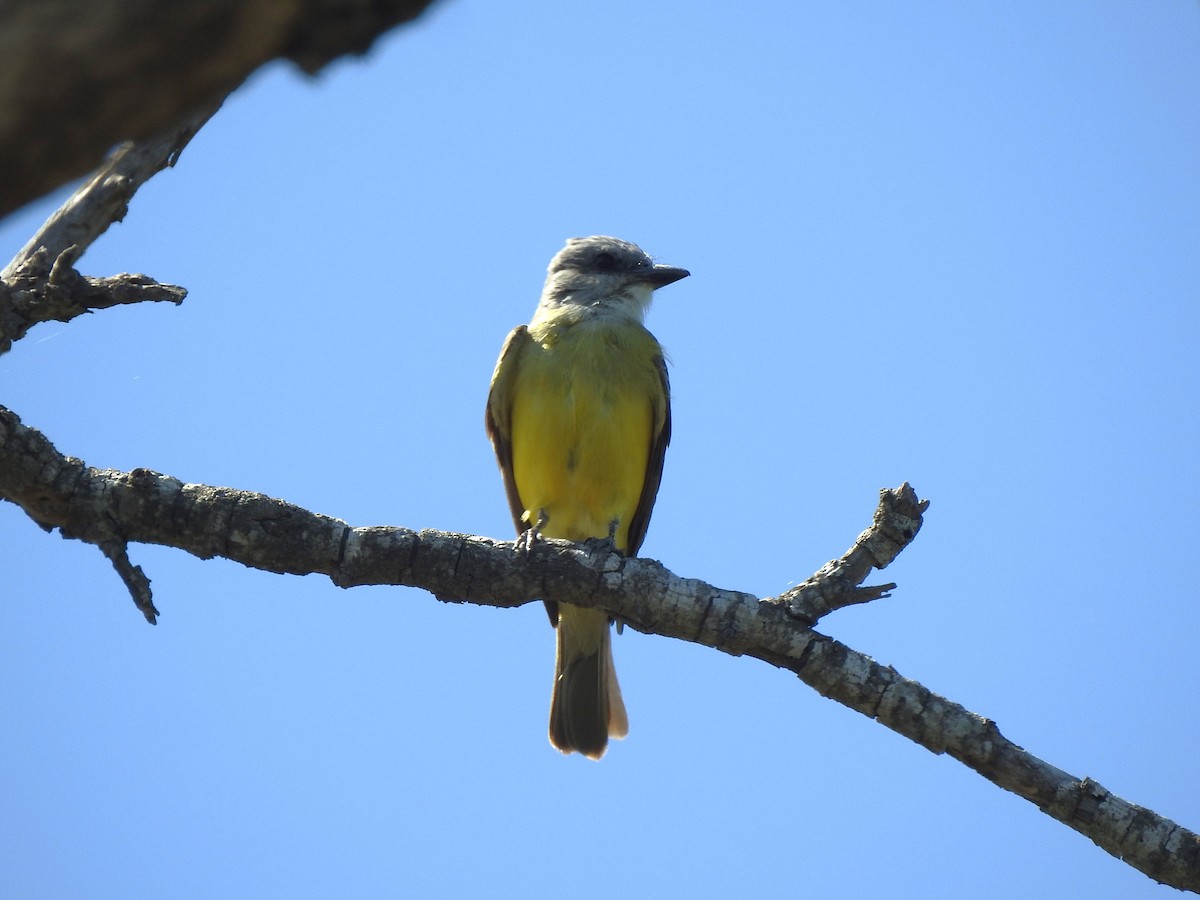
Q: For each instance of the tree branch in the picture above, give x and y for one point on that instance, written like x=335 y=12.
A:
x=44 y=289
x=838 y=583
x=104 y=198
x=40 y=284
x=112 y=509
x=78 y=76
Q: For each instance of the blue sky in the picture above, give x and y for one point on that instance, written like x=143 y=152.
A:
x=953 y=244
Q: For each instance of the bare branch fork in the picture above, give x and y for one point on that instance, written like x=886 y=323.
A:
x=112 y=509
x=40 y=284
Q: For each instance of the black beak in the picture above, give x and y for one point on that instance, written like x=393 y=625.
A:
x=661 y=276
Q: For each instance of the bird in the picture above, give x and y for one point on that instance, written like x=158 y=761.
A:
x=579 y=416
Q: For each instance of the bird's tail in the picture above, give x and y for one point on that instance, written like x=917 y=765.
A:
x=586 y=708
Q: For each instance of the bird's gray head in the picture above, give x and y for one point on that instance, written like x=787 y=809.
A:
x=606 y=275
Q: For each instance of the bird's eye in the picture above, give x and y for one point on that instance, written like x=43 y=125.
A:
x=605 y=261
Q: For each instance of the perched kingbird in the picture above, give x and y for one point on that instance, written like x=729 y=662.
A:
x=579 y=414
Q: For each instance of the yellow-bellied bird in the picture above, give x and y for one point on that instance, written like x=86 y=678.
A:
x=579 y=414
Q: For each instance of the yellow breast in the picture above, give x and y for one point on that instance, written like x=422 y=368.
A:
x=583 y=421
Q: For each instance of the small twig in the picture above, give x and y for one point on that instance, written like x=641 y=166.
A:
x=133 y=577
x=837 y=583
x=43 y=289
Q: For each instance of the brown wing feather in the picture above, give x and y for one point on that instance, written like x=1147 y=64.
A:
x=498 y=418
x=658 y=449
x=498 y=422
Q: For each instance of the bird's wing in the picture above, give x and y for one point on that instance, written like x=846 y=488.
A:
x=659 y=438
x=498 y=418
